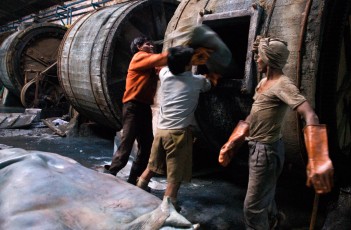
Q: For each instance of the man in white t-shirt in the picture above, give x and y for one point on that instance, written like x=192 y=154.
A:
x=171 y=151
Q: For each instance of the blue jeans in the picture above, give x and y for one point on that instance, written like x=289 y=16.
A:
x=265 y=165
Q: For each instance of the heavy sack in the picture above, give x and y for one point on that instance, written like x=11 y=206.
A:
x=203 y=36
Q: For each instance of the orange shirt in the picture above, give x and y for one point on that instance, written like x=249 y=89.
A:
x=141 y=84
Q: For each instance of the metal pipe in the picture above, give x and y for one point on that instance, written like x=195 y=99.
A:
x=65 y=6
x=73 y=9
x=33 y=16
x=314 y=212
x=301 y=40
x=73 y=15
x=48 y=14
x=48 y=68
x=298 y=72
x=268 y=22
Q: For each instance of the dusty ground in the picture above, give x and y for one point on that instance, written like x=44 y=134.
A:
x=213 y=199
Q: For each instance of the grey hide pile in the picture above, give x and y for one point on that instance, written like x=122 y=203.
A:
x=46 y=191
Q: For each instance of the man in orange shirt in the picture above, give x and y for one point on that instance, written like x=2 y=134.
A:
x=141 y=84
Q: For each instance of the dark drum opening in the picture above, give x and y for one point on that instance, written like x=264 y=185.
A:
x=234 y=32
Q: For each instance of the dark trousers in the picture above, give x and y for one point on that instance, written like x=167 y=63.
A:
x=137 y=125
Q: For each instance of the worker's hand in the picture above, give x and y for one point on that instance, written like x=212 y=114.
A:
x=255 y=45
x=200 y=56
x=320 y=174
x=226 y=154
x=213 y=77
x=236 y=139
x=319 y=169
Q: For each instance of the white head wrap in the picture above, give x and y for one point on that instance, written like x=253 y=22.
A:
x=274 y=52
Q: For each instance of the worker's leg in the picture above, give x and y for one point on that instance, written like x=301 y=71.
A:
x=265 y=165
x=144 y=138
x=121 y=156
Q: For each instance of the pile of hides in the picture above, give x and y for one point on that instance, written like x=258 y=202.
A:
x=46 y=191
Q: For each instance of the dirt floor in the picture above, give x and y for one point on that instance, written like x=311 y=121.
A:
x=214 y=198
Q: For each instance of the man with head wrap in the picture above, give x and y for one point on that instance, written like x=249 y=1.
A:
x=262 y=128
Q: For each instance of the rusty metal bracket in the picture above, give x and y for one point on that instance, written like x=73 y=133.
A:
x=36 y=80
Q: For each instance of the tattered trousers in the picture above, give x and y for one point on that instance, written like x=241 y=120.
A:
x=265 y=165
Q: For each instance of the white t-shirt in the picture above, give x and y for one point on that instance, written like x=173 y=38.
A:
x=179 y=96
